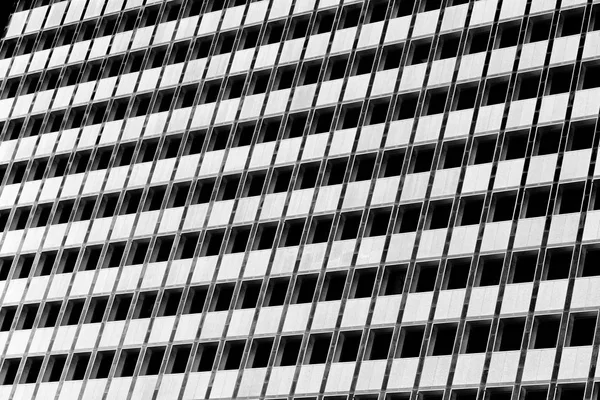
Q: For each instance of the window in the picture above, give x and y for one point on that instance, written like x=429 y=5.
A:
x=435 y=102
x=260 y=353
x=510 y=334
x=411 y=339
x=509 y=34
x=206 y=355
x=333 y=286
x=292 y=233
x=305 y=289
x=222 y=297
x=169 y=303
x=299 y=27
x=424 y=277
x=470 y=210
x=249 y=294
x=591 y=76
x=337 y=68
x=179 y=359
x=378 y=222
x=581 y=136
x=422 y=159
x=195 y=300
x=274 y=32
x=363 y=283
x=545 y=331
x=571 y=22
x=379 y=343
x=289 y=349
x=476 y=336
x=409 y=218
x=285 y=78
x=419 y=52
x=152 y=361
x=467 y=94
x=439 y=215
x=363 y=63
x=591 y=261
x=276 y=292
x=489 y=271
x=536 y=202
x=560 y=79
x=232 y=355
x=539 y=28
x=393 y=280
x=570 y=198
x=318 y=348
x=443 y=336
x=581 y=330
x=320 y=230
x=557 y=263
x=495 y=92
x=449 y=46
x=503 y=206
x=391 y=57
x=456 y=274
x=523 y=267
x=324 y=21
x=347 y=346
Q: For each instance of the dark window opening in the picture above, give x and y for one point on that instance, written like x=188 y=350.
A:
x=410 y=216
x=511 y=333
x=457 y=274
x=571 y=198
x=545 y=331
x=537 y=202
x=439 y=216
x=426 y=275
x=318 y=349
x=444 y=339
x=523 y=267
x=490 y=269
x=558 y=263
x=410 y=341
x=423 y=159
x=348 y=344
x=477 y=337
x=305 y=290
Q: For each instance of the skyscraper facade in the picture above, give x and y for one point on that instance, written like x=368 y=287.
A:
x=308 y=199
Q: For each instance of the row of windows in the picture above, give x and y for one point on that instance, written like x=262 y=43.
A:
x=496 y=91
x=448 y=47
x=570 y=199
x=274 y=32
x=547 y=141
x=522 y=269
x=474 y=340
x=120 y=64
x=419 y=52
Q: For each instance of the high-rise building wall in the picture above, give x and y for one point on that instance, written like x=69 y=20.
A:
x=316 y=199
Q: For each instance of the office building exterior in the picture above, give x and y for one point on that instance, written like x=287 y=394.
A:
x=308 y=199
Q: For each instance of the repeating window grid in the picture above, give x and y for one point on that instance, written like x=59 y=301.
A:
x=213 y=193
x=223 y=244
x=255 y=226
x=508 y=256
x=554 y=198
x=6 y=347
x=136 y=294
x=78 y=261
